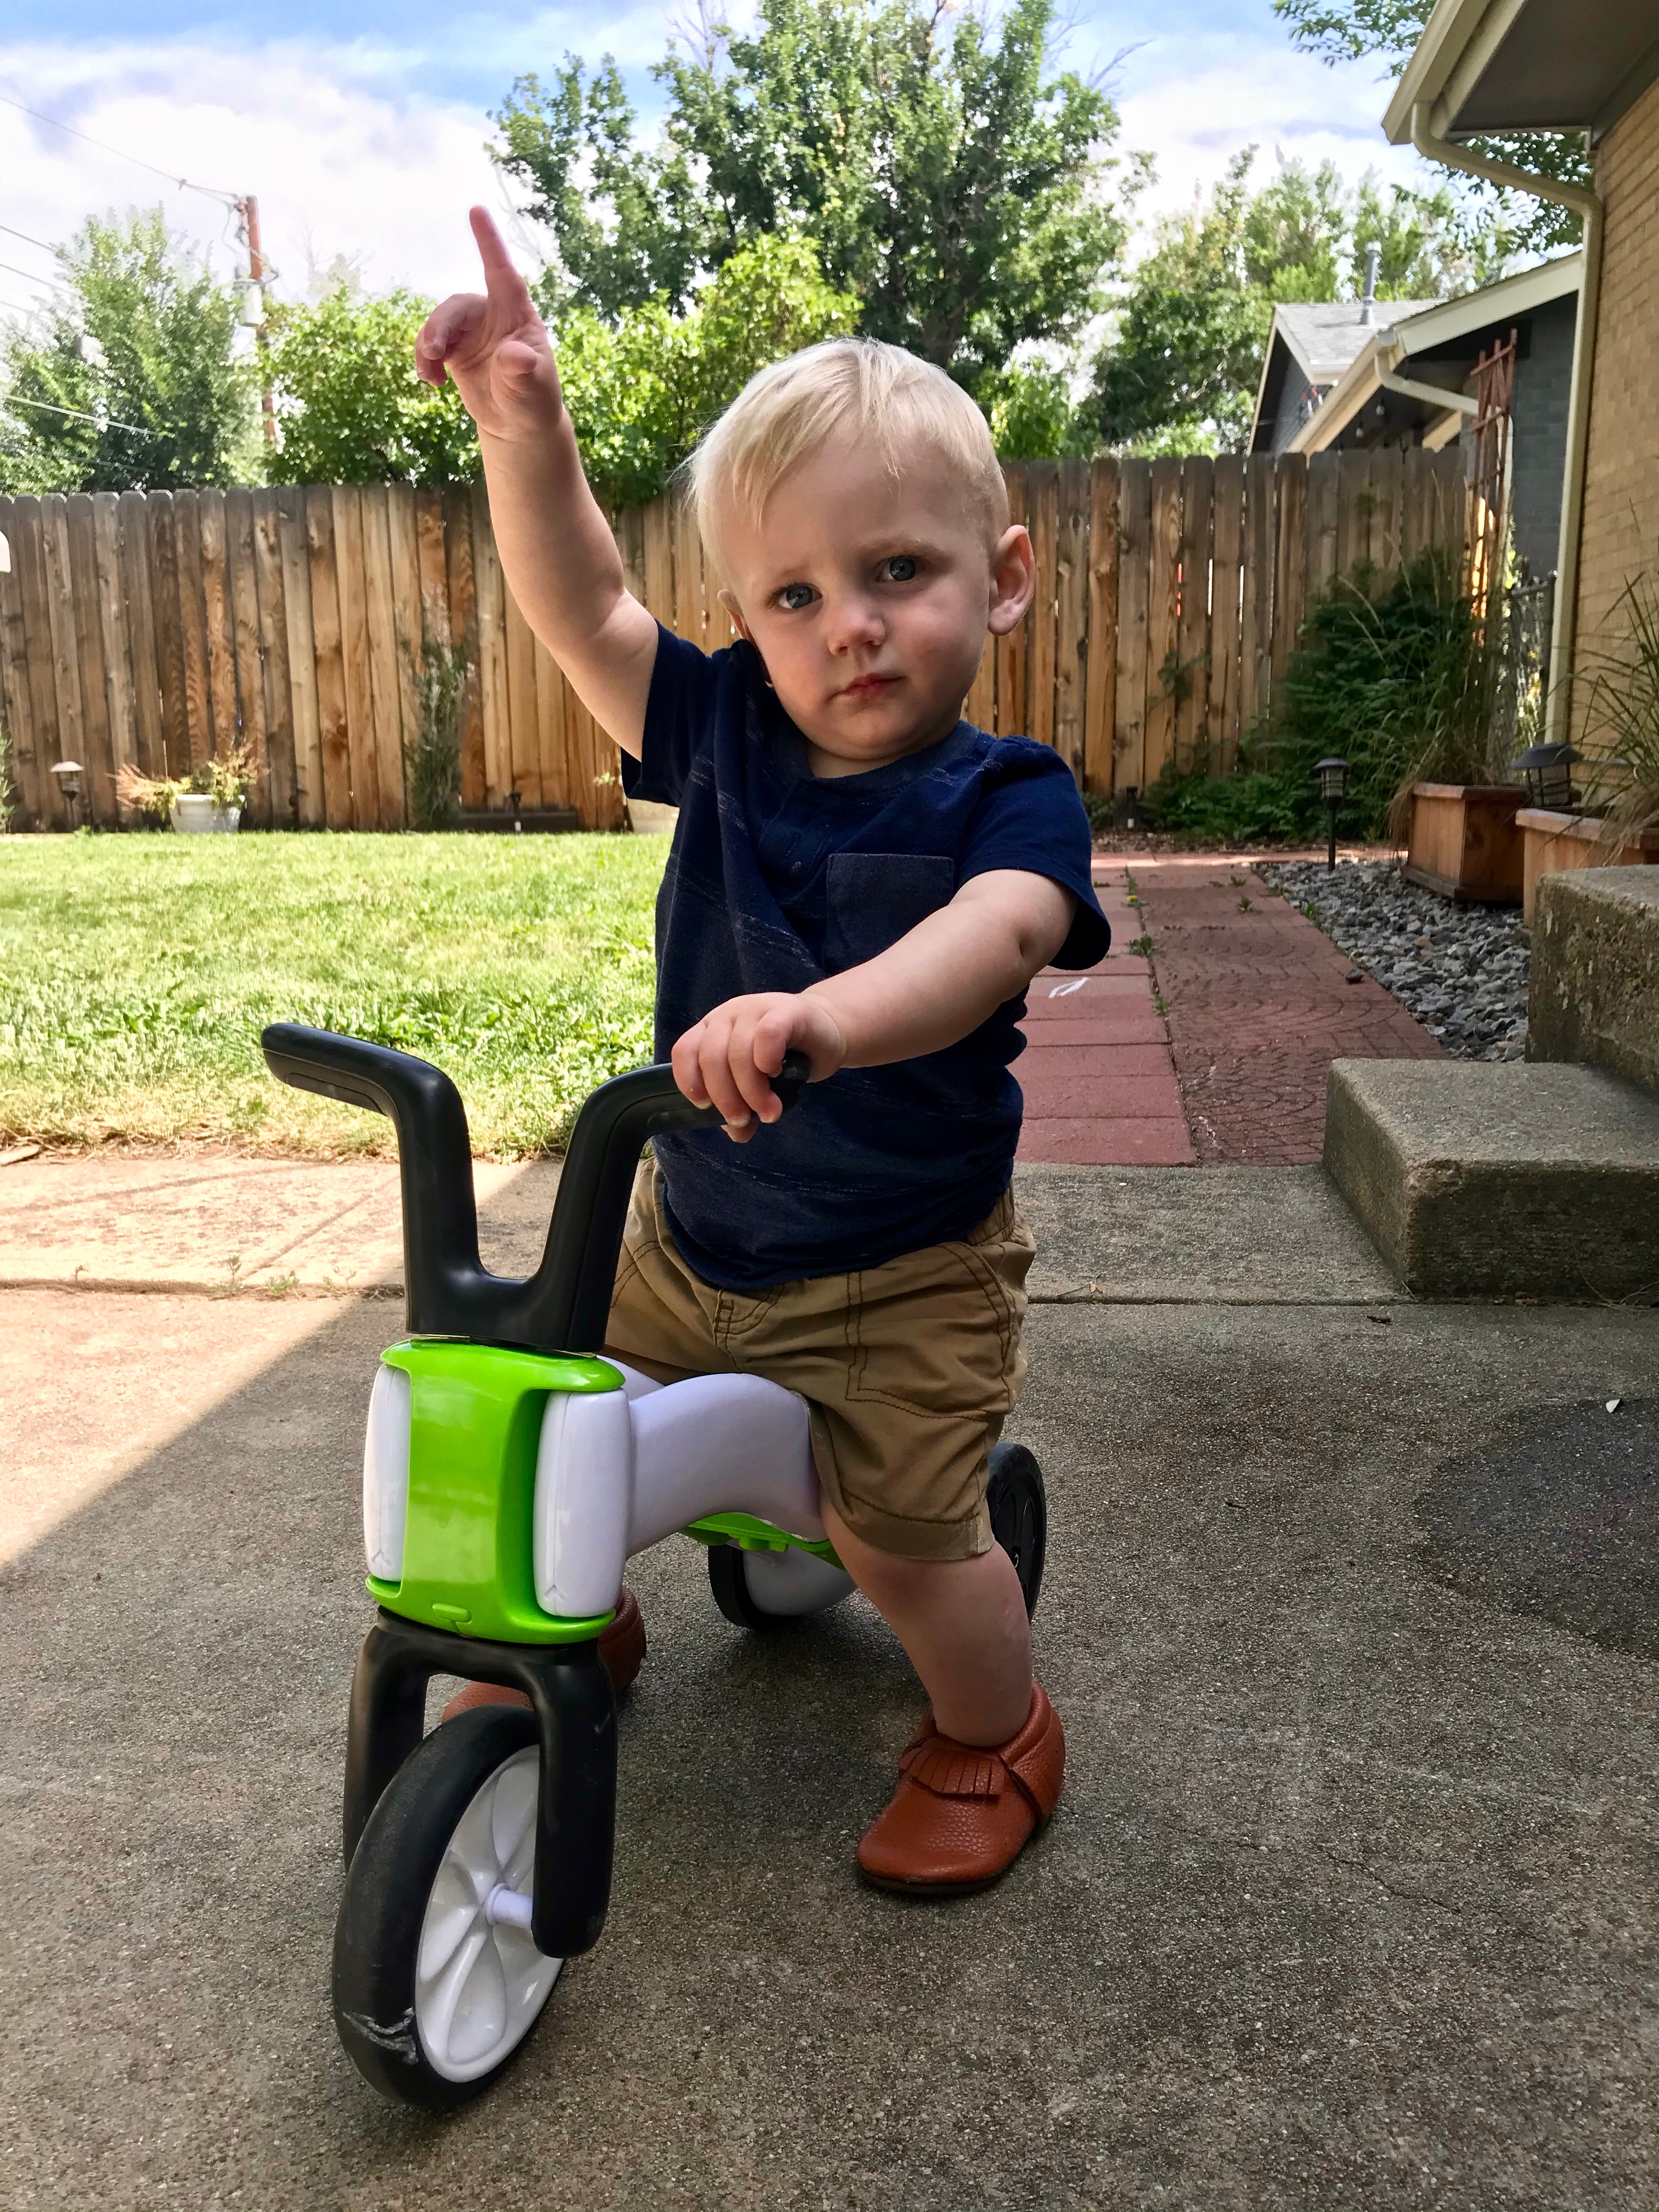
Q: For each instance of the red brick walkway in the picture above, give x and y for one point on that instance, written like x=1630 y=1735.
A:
x=1259 y=1005
x=1214 y=1050
x=1098 y=1078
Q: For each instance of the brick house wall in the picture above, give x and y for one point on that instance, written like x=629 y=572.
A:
x=1620 y=535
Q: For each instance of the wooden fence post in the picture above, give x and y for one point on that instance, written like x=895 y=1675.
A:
x=20 y=699
x=1134 y=574
x=1099 y=690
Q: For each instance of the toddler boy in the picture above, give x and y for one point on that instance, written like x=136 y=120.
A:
x=861 y=875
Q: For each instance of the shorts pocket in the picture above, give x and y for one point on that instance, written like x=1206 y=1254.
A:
x=945 y=1342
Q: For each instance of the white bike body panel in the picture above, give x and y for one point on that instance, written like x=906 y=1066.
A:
x=794 y=1583
x=385 y=1473
x=585 y=1474
x=617 y=1471
x=721 y=1443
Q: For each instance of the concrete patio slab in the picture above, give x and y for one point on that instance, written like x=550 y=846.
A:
x=1230 y=1236
x=194 y=1221
x=1349 y=1902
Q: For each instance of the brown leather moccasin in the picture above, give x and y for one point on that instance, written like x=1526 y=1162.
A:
x=963 y=1813
x=621 y=1654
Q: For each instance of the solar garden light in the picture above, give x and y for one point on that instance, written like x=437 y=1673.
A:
x=1548 y=771
x=68 y=775
x=1333 y=775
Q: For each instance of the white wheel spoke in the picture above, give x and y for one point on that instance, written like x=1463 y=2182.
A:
x=480 y=2014
x=442 y=1995
x=451 y=1911
x=513 y=1815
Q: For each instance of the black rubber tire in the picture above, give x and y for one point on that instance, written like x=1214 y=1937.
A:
x=1018 y=1507
x=731 y=1587
x=378 y=1933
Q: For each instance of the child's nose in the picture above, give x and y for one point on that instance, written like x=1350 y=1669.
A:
x=854 y=622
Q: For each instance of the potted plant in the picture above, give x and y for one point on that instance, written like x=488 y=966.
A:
x=1614 y=822
x=210 y=798
x=1454 y=815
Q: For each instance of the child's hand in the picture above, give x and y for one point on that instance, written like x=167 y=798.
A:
x=729 y=1059
x=495 y=345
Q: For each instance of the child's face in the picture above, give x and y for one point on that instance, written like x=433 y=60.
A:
x=869 y=598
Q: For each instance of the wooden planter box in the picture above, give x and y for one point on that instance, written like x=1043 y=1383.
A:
x=1555 y=842
x=1464 y=842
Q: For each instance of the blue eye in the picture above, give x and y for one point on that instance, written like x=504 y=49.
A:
x=903 y=568
x=796 y=596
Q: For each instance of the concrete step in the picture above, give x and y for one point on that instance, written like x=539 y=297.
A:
x=1593 y=988
x=1491 y=1180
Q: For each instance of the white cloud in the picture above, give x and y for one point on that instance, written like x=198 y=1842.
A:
x=353 y=152
x=345 y=157
x=1194 y=105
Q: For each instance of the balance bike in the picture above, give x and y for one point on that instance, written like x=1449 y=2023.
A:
x=509 y=1473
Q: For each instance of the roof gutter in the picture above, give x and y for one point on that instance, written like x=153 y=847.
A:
x=1589 y=206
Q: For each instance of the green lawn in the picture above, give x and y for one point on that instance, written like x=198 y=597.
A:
x=136 y=973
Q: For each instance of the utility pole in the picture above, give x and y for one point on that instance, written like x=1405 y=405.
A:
x=248 y=207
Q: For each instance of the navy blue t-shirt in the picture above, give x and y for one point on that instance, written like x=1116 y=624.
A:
x=778 y=878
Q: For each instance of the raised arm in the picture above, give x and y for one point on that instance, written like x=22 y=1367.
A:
x=556 y=549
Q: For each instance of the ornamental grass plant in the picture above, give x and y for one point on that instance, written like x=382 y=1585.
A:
x=1620 y=754
x=1394 y=676
x=1391 y=673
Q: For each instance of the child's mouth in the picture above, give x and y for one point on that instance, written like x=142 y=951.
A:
x=868 y=687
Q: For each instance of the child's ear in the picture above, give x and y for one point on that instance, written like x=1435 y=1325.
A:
x=1013 y=579
x=735 y=611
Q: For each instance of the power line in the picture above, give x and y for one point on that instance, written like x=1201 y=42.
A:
x=33 y=275
x=80 y=415
x=27 y=240
x=103 y=145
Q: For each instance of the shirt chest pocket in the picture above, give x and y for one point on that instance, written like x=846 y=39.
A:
x=872 y=899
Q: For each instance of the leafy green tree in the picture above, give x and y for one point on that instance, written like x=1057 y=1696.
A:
x=957 y=185
x=1180 y=372
x=135 y=382
x=1032 y=416
x=641 y=390
x=1348 y=30
x=350 y=406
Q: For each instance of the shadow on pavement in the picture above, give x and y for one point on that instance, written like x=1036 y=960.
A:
x=1349 y=1901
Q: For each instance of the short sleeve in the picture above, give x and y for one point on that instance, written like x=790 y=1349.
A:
x=1031 y=817
x=679 y=717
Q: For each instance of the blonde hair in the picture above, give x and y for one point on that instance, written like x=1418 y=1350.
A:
x=879 y=392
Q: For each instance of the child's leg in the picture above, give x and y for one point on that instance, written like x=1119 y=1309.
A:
x=963 y=1623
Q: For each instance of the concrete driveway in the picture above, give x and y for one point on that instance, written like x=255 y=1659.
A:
x=1350 y=1900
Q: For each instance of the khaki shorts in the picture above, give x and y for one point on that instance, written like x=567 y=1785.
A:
x=909 y=1369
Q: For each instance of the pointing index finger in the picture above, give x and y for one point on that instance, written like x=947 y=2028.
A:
x=499 y=274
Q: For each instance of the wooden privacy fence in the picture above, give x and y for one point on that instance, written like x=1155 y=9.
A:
x=160 y=628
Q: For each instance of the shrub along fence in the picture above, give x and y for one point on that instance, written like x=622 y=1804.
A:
x=161 y=628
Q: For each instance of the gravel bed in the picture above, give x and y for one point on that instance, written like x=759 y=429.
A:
x=1461 y=970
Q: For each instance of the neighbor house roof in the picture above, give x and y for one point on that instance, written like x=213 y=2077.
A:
x=1320 y=339
x=1526 y=65
x=1405 y=329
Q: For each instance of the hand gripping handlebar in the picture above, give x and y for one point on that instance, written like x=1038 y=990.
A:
x=565 y=1305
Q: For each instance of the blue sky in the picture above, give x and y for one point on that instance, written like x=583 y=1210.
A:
x=362 y=128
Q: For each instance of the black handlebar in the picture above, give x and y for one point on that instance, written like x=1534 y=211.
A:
x=566 y=1304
